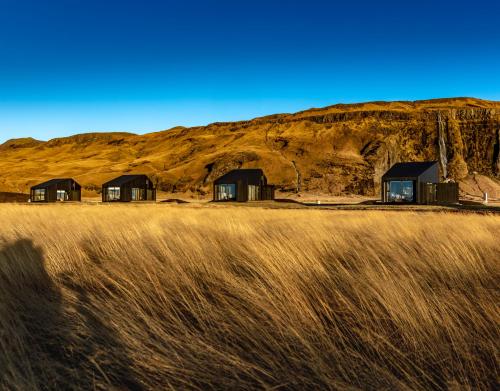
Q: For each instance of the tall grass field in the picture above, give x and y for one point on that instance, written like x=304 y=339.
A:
x=153 y=297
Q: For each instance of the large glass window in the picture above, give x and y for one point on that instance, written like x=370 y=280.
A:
x=62 y=195
x=137 y=194
x=113 y=194
x=225 y=192
x=39 y=195
x=400 y=191
x=253 y=192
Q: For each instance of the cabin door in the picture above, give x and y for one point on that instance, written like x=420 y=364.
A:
x=137 y=194
x=62 y=195
x=253 y=193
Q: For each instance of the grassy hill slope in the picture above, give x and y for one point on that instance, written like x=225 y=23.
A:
x=341 y=149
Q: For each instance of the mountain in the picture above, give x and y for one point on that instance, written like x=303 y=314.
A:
x=340 y=149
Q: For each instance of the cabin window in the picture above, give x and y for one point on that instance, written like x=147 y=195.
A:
x=39 y=195
x=137 y=194
x=225 y=192
x=253 y=193
x=113 y=194
x=400 y=191
x=62 y=195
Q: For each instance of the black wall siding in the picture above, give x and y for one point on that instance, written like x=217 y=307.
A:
x=243 y=178
x=126 y=184
x=70 y=186
x=426 y=186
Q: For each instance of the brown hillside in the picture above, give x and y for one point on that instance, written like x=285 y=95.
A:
x=340 y=149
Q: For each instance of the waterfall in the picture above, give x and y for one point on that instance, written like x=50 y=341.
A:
x=443 y=161
x=298 y=178
x=496 y=154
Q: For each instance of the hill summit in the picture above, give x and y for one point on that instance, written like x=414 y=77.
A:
x=340 y=149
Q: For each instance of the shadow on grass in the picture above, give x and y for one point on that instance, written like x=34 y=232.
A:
x=52 y=337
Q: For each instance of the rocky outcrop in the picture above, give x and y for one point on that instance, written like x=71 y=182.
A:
x=18 y=143
x=463 y=141
x=224 y=163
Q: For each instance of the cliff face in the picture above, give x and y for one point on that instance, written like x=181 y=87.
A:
x=338 y=150
x=360 y=146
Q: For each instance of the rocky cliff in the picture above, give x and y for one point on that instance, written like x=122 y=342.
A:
x=341 y=149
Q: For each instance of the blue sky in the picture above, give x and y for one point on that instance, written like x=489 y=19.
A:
x=77 y=66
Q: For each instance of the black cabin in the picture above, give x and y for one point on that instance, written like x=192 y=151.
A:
x=128 y=188
x=417 y=182
x=243 y=185
x=60 y=189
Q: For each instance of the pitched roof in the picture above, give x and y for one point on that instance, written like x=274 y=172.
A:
x=408 y=169
x=121 y=180
x=253 y=175
x=52 y=182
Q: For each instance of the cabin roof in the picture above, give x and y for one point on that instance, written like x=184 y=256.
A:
x=408 y=169
x=52 y=182
x=123 y=179
x=252 y=174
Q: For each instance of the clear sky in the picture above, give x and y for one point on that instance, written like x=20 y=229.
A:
x=73 y=66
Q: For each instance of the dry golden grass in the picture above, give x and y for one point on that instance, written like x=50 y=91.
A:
x=160 y=297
